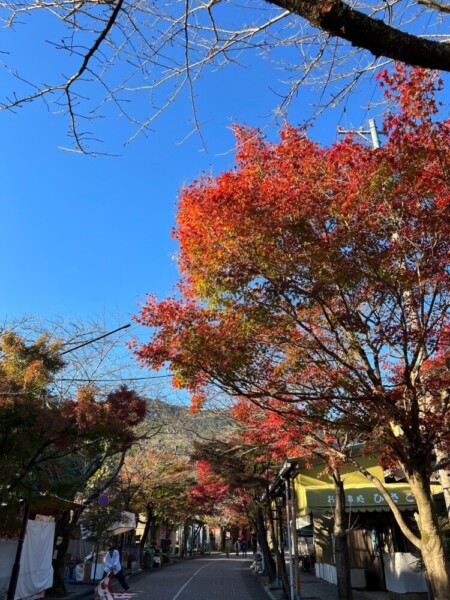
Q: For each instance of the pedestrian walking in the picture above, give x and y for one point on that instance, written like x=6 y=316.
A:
x=113 y=567
x=244 y=548
x=237 y=547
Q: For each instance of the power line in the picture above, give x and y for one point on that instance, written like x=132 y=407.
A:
x=88 y=380
x=100 y=337
x=116 y=379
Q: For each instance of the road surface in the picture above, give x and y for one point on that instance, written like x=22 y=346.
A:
x=209 y=578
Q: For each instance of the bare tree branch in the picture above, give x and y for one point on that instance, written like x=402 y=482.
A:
x=131 y=49
x=361 y=30
x=439 y=6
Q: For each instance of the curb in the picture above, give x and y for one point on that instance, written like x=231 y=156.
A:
x=269 y=593
x=267 y=588
x=88 y=591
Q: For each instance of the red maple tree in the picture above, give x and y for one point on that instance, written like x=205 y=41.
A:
x=319 y=277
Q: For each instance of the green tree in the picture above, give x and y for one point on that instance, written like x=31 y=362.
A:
x=157 y=485
x=51 y=449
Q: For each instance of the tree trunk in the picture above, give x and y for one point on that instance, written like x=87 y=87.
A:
x=64 y=528
x=261 y=532
x=431 y=542
x=341 y=541
x=280 y=564
x=444 y=476
x=146 y=531
x=184 y=551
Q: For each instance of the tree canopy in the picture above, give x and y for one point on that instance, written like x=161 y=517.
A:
x=45 y=443
x=319 y=277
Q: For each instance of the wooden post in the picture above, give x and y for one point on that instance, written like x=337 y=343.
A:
x=16 y=567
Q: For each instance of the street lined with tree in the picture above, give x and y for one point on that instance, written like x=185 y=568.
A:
x=314 y=291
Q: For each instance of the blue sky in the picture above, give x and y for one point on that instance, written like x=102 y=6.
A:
x=84 y=237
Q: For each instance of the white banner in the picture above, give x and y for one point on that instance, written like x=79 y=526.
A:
x=36 y=571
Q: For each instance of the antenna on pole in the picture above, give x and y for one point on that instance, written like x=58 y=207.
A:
x=364 y=133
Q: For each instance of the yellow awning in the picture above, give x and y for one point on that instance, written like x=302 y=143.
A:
x=315 y=495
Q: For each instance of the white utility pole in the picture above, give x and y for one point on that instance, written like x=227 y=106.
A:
x=289 y=536
x=364 y=133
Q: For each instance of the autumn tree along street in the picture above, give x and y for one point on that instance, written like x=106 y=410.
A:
x=56 y=449
x=318 y=277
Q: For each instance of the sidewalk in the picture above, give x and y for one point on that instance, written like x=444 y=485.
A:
x=75 y=590
x=313 y=588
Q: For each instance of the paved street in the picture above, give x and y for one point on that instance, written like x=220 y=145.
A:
x=213 y=578
x=217 y=578
x=209 y=578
